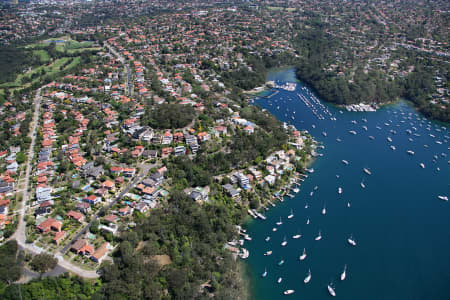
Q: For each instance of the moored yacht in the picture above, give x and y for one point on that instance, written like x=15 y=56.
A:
x=351 y=240
x=393 y=147
x=410 y=152
x=343 y=274
x=367 y=171
x=422 y=165
x=303 y=256
x=308 y=277
x=288 y=292
x=291 y=215
x=265 y=273
x=445 y=198
x=279 y=222
x=318 y=237
x=331 y=290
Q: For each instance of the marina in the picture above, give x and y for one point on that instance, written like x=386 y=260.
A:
x=350 y=236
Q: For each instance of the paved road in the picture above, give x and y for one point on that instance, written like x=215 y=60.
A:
x=144 y=171
x=130 y=83
x=19 y=235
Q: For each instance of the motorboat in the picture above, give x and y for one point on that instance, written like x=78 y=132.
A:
x=284 y=243
x=288 y=292
x=268 y=253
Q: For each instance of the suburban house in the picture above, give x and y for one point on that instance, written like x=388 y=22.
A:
x=100 y=253
x=48 y=225
x=82 y=247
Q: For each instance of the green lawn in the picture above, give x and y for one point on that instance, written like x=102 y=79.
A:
x=42 y=54
x=49 y=69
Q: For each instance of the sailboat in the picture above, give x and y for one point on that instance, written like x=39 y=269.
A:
x=307 y=222
x=306 y=205
x=297 y=236
x=303 y=256
x=291 y=215
x=279 y=222
x=308 y=277
x=343 y=275
x=348 y=204
x=367 y=171
x=265 y=273
x=319 y=237
x=331 y=290
x=351 y=241
x=324 y=210
x=284 y=243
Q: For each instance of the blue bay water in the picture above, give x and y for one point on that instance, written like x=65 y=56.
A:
x=401 y=228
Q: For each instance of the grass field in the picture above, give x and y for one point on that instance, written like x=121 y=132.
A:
x=49 y=67
x=281 y=8
x=43 y=55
